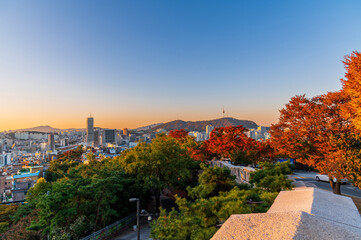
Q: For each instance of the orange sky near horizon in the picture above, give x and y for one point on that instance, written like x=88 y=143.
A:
x=63 y=121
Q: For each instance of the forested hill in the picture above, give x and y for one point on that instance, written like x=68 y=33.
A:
x=201 y=125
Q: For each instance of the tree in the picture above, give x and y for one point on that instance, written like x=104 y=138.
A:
x=75 y=206
x=240 y=157
x=83 y=199
x=212 y=181
x=306 y=130
x=196 y=150
x=19 y=229
x=58 y=168
x=349 y=145
x=224 y=140
x=160 y=164
x=178 y=134
x=213 y=201
x=5 y=212
x=272 y=177
x=41 y=187
x=198 y=219
x=352 y=87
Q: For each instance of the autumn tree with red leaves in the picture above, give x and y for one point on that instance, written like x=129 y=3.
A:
x=352 y=87
x=224 y=140
x=196 y=150
x=232 y=142
x=307 y=130
x=350 y=143
x=178 y=133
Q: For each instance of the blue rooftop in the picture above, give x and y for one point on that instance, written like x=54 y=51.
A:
x=26 y=175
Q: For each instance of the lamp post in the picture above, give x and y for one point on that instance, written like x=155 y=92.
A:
x=138 y=207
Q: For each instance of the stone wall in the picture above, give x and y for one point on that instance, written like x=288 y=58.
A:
x=303 y=213
x=242 y=173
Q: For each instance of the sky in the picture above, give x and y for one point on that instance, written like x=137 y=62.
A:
x=134 y=63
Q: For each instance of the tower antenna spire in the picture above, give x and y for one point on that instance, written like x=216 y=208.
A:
x=223 y=112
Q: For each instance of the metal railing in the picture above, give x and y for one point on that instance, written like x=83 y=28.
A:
x=110 y=230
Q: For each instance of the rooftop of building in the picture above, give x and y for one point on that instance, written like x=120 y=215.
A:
x=26 y=174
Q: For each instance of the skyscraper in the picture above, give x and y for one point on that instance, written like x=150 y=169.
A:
x=90 y=131
x=125 y=131
x=51 y=142
x=96 y=137
x=109 y=135
x=209 y=129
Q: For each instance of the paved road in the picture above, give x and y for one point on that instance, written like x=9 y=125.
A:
x=309 y=178
x=131 y=235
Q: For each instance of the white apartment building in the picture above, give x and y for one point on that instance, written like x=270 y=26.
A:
x=5 y=159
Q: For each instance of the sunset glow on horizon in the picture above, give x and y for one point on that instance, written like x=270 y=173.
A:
x=132 y=64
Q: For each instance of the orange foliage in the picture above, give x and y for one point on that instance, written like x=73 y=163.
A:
x=224 y=140
x=307 y=128
x=178 y=133
x=352 y=87
x=198 y=152
x=265 y=151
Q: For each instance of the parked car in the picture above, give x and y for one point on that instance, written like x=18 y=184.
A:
x=325 y=178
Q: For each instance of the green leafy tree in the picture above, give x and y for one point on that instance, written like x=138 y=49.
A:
x=198 y=219
x=160 y=164
x=240 y=157
x=212 y=181
x=215 y=199
x=59 y=168
x=272 y=177
x=99 y=201
x=40 y=188
x=86 y=198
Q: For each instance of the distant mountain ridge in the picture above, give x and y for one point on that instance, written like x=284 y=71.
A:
x=44 y=129
x=201 y=125
x=173 y=125
x=151 y=126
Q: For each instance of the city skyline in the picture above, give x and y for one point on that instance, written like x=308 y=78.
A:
x=87 y=125
x=132 y=64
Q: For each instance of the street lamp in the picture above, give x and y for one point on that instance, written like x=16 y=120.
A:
x=142 y=213
x=138 y=207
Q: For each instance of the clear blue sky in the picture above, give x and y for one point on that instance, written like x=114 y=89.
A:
x=132 y=63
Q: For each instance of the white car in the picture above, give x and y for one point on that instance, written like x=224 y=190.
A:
x=325 y=178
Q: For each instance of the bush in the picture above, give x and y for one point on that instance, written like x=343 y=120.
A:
x=272 y=177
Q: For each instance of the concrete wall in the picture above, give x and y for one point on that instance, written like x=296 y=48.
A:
x=242 y=173
x=303 y=213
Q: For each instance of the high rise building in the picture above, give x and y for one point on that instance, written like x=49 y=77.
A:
x=263 y=129
x=96 y=137
x=209 y=129
x=51 y=142
x=125 y=131
x=90 y=131
x=109 y=135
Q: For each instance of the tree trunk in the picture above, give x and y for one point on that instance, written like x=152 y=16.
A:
x=336 y=187
x=332 y=184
